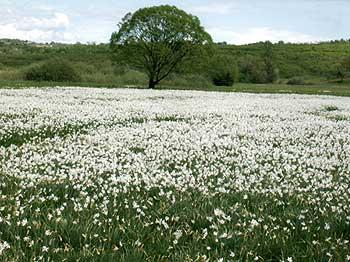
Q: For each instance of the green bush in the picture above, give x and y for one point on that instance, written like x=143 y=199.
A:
x=53 y=70
x=296 y=81
x=188 y=80
x=223 y=71
x=133 y=78
x=252 y=70
x=11 y=74
x=223 y=79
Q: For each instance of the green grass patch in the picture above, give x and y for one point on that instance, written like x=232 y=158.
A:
x=193 y=226
x=330 y=108
x=24 y=136
x=333 y=89
x=173 y=118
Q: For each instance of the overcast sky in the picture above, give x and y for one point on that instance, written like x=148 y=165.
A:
x=235 y=21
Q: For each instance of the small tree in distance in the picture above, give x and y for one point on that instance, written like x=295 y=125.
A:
x=342 y=69
x=346 y=66
x=157 y=39
x=272 y=73
x=223 y=70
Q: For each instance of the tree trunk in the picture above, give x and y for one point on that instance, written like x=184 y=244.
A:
x=151 y=84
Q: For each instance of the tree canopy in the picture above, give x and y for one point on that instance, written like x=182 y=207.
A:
x=157 y=39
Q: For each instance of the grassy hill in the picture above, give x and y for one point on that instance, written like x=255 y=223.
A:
x=315 y=62
x=310 y=60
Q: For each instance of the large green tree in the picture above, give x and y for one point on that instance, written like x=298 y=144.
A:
x=157 y=40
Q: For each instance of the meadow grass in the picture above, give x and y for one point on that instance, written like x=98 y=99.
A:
x=187 y=227
x=333 y=89
x=149 y=175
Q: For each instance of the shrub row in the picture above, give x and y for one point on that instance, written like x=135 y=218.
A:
x=53 y=70
x=220 y=71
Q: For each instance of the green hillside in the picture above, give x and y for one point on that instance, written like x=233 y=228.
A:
x=93 y=62
x=316 y=60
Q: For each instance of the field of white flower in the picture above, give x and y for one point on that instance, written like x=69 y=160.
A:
x=140 y=175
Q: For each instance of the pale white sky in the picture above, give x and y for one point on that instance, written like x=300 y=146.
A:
x=235 y=21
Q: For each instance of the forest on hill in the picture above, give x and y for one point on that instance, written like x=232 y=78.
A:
x=94 y=63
